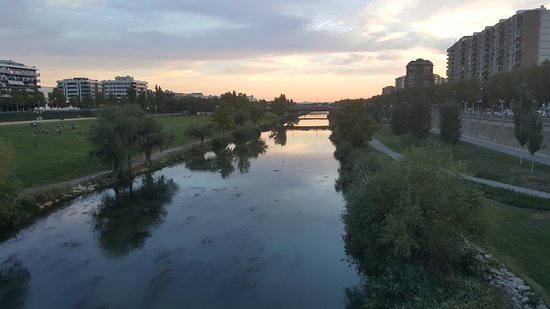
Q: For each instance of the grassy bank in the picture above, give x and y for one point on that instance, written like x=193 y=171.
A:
x=482 y=162
x=520 y=238
x=64 y=156
x=517 y=232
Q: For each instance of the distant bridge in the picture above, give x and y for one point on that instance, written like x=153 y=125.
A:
x=310 y=108
x=306 y=128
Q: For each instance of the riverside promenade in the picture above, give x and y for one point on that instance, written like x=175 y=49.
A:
x=376 y=144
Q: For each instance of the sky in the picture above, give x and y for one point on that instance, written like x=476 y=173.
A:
x=310 y=50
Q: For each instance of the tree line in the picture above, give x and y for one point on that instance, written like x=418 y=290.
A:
x=409 y=223
x=497 y=93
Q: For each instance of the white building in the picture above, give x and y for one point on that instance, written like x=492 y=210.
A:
x=79 y=87
x=14 y=75
x=119 y=86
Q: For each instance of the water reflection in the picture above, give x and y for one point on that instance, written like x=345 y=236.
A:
x=225 y=156
x=14 y=283
x=278 y=134
x=123 y=222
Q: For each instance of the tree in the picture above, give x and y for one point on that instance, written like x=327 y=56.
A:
x=88 y=102
x=399 y=118
x=279 y=105
x=199 y=132
x=256 y=112
x=56 y=98
x=450 y=123
x=420 y=117
x=115 y=138
x=522 y=106
x=223 y=117
x=352 y=124
x=240 y=117
x=414 y=211
x=151 y=135
x=535 y=136
x=132 y=95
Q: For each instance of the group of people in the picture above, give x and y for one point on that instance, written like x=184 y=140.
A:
x=38 y=130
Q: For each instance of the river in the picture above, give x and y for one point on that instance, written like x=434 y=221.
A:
x=250 y=227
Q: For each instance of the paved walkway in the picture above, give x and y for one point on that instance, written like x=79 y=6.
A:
x=513 y=151
x=376 y=144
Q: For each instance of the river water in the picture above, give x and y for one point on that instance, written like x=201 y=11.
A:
x=254 y=226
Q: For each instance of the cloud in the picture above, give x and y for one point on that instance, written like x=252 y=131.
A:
x=250 y=40
x=75 y=3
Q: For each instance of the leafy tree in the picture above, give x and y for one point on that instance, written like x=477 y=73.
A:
x=57 y=98
x=115 y=137
x=420 y=118
x=399 y=118
x=352 y=124
x=100 y=99
x=450 y=123
x=151 y=135
x=75 y=101
x=279 y=105
x=413 y=212
x=240 y=117
x=88 y=101
x=111 y=99
x=142 y=99
x=132 y=95
x=223 y=117
x=535 y=136
x=256 y=112
x=199 y=132
x=522 y=106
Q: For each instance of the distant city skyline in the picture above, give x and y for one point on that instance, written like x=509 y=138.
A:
x=309 y=50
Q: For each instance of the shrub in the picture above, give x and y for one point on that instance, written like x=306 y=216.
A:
x=414 y=211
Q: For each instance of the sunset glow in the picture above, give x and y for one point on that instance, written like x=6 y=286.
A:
x=311 y=51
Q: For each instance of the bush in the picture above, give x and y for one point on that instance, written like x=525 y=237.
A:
x=415 y=287
x=414 y=211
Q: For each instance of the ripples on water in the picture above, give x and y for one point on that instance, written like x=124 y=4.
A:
x=249 y=226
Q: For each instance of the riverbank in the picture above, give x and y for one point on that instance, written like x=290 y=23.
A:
x=39 y=201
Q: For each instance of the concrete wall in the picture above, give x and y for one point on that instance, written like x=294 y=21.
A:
x=496 y=131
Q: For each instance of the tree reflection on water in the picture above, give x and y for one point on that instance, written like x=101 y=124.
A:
x=14 y=283
x=225 y=157
x=278 y=134
x=123 y=222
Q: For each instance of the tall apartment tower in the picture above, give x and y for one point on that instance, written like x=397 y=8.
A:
x=79 y=87
x=120 y=85
x=400 y=82
x=14 y=75
x=420 y=72
x=520 y=41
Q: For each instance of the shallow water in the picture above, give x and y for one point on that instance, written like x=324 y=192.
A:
x=265 y=233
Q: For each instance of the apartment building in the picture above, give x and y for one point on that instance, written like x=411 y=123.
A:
x=388 y=90
x=400 y=82
x=14 y=75
x=79 y=87
x=119 y=86
x=420 y=73
x=520 y=41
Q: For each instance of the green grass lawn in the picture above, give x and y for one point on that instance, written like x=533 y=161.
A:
x=65 y=156
x=520 y=238
x=482 y=162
